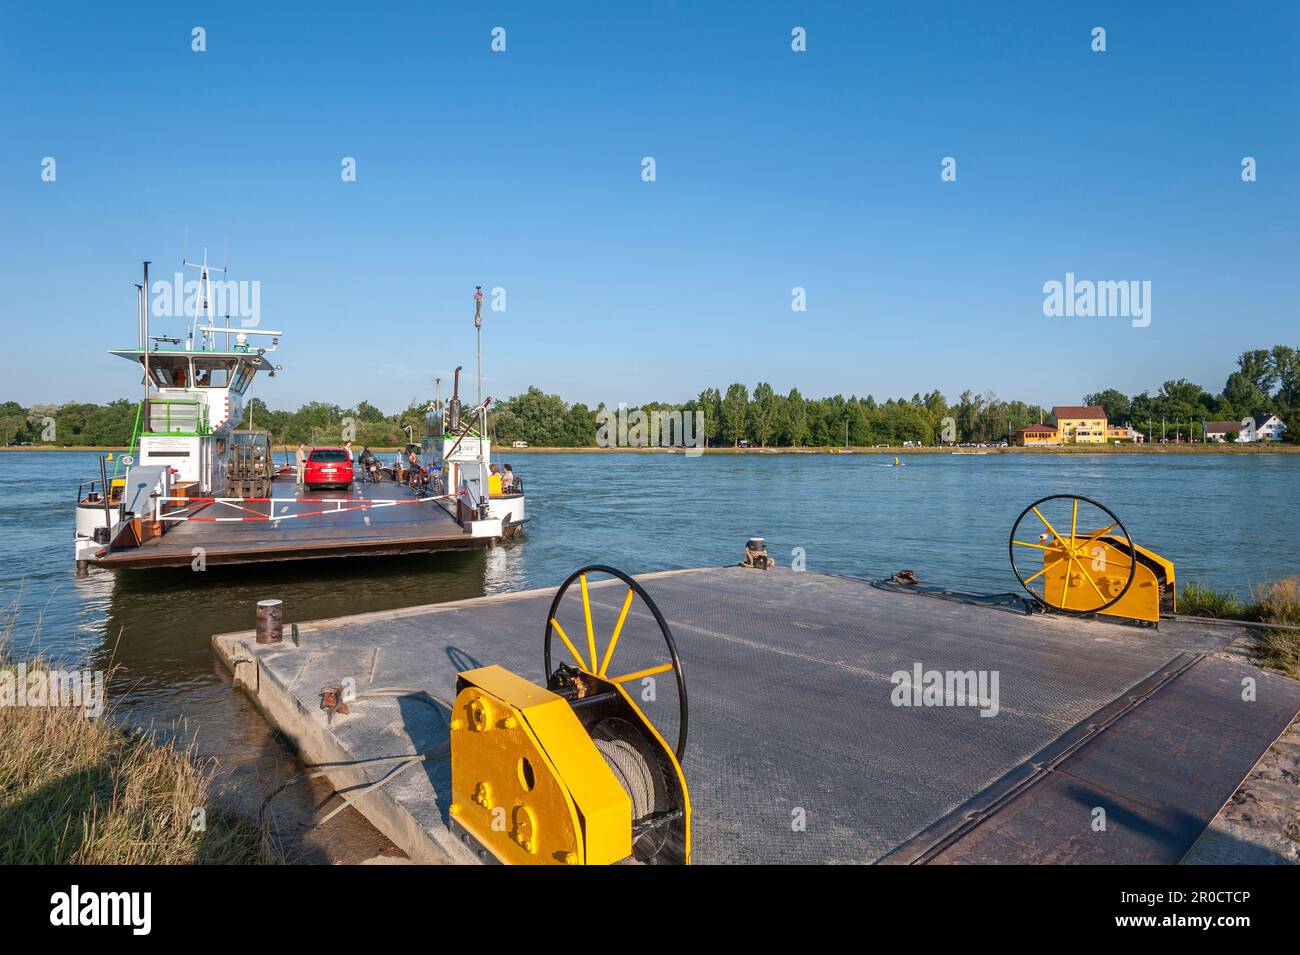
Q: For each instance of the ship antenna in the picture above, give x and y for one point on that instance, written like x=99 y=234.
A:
x=205 y=289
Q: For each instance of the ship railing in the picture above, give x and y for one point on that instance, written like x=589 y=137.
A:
x=186 y=416
x=92 y=489
x=240 y=509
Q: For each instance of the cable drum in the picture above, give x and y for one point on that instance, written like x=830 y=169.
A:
x=636 y=766
x=631 y=772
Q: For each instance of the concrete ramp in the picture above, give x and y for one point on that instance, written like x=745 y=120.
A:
x=799 y=747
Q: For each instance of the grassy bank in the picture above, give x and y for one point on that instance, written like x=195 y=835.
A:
x=86 y=791
x=1278 y=602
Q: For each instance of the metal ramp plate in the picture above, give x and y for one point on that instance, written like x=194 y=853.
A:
x=1160 y=772
x=796 y=752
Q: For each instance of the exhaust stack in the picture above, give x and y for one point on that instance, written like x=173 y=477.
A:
x=453 y=406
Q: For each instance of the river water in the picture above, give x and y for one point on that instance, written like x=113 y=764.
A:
x=1225 y=520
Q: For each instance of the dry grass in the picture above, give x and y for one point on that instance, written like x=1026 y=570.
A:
x=87 y=791
x=1277 y=602
x=82 y=791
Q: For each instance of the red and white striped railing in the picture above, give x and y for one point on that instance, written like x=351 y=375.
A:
x=342 y=505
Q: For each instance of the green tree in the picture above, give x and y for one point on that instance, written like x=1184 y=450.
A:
x=1116 y=404
x=795 y=419
x=1241 y=396
x=709 y=403
x=967 y=416
x=535 y=417
x=762 y=413
x=13 y=423
x=580 y=427
x=1258 y=368
x=1286 y=370
x=735 y=411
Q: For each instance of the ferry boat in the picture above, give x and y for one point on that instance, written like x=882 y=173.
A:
x=196 y=490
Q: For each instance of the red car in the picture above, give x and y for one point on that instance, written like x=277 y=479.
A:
x=328 y=467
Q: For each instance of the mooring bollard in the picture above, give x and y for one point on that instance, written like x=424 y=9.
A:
x=270 y=621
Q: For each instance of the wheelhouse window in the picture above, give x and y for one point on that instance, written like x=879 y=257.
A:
x=169 y=371
x=243 y=374
x=212 y=373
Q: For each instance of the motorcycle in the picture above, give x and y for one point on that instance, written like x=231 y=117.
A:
x=416 y=480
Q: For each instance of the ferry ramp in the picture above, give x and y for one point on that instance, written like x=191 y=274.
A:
x=799 y=750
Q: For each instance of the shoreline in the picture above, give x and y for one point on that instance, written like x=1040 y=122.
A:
x=499 y=451
x=895 y=450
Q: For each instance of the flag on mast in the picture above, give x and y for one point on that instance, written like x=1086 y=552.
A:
x=478 y=306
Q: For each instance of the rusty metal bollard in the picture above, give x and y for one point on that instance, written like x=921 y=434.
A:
x=270 y=621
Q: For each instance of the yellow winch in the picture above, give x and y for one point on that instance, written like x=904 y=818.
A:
x=1090 y=564
x=574 y=772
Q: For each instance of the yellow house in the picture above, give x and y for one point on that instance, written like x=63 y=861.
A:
x=1080 y=425
x=1038 y=436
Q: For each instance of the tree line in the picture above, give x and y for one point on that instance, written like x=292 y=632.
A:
x=1266 y=381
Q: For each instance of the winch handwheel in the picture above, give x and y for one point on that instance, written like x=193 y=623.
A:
x=599 y=665
x=1057 y=548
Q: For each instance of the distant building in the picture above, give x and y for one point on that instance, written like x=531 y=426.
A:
x=1261 y=427
x=1266 y=427
x=1080 y=424
x=1116 y=432
x=1037 y=436
x=1219 y=431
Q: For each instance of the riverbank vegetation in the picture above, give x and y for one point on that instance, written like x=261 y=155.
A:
x=76 y=790
x=1276 y=603
x=1265 y=381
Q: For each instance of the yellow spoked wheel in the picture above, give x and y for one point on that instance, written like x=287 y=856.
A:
x=1082 y=571
x=596 y=662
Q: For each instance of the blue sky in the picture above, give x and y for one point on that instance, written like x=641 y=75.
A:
x=774 y=169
